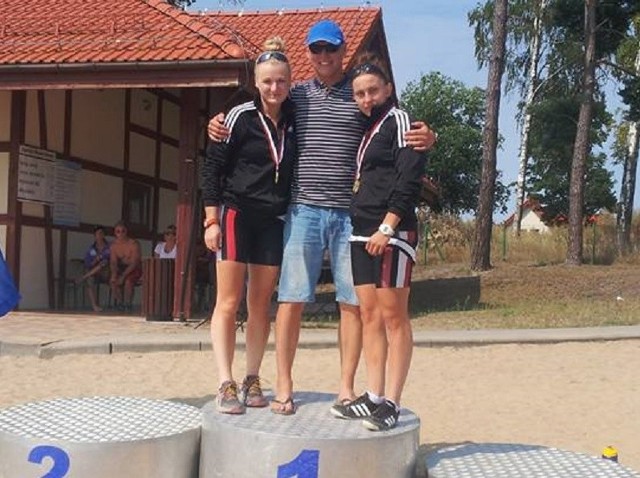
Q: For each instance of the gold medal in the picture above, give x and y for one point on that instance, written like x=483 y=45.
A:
x=356 y=186
x=277 y=175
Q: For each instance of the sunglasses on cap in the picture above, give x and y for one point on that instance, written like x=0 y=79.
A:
x=317 y=48
x=272 y=55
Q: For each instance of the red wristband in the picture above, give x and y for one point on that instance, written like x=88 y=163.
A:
x=210 y=222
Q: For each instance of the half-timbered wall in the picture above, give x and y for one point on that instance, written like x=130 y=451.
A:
x=118 y=137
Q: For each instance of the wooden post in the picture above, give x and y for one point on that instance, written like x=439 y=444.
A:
x=48 y=231
x=14 y=229
x=187 y=195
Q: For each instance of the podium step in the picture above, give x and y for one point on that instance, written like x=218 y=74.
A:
x=310 y=444
x=100 y=437
x=506 y=460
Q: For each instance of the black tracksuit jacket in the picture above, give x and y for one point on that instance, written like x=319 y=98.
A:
x=240 y=172
x=390 y=173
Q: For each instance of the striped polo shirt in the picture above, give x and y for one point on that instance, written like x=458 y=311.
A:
x=328 y=134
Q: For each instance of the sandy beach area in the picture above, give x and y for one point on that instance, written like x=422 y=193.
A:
x=574 y=396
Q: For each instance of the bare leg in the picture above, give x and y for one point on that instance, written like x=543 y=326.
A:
x=116 y=292
x=91 y=292
x=394 y=306
x=262 y=283
x=287 y=335
x=374 y=338
x=350 y=342
x=223 y=320
x=129 y=284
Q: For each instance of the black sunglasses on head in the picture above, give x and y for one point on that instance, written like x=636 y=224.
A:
x=272 y=55
x=317 y=48
x=368 y=68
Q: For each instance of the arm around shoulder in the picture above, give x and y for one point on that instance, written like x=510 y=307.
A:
x=420 y=137
x=216 y=129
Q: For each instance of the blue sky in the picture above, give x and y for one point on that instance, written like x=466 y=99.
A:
x=423 y=36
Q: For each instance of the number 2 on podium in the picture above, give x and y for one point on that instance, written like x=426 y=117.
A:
x=59 y=457
x=305 y=465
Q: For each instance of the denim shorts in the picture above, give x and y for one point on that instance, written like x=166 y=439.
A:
x=308 y=232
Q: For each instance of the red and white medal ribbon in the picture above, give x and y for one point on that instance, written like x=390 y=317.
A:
x=364 y=144
x=276 y=153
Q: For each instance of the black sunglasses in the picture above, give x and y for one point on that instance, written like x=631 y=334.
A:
x=317 y=48
x=368 y=68
x=272 y=55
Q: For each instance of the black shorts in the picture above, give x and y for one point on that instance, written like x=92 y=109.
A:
x=392 y=269
x=250 y=239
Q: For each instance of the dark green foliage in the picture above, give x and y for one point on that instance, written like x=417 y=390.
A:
x=457 y=114
x=630 y=94
x=612 y=22
x=519 y=30
x=551 y=142
x=558 y=91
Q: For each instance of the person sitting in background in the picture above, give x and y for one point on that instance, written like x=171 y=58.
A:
x=126 y=267
x=96 y=266
x=167 y=249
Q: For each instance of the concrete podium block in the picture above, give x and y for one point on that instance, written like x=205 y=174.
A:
x=505 y=460
x=310 y=444
x=100 y=437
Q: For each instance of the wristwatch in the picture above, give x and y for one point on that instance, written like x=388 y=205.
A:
x=386 y=229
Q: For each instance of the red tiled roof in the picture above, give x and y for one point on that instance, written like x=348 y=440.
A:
x=97 y=31
x=293 y=25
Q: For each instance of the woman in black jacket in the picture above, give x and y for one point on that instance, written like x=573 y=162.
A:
x=385 y=194
x=246 y=190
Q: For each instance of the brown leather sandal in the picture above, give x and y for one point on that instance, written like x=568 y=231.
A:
x=280 y=407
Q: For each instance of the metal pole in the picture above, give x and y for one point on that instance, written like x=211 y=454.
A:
x=504 y=242
x=426 y=241
x=593 y=245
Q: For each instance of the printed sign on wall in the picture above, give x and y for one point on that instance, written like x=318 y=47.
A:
x=46 y=180
x=35 y=174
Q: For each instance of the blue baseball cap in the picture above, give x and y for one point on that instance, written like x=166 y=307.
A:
x=327 y=31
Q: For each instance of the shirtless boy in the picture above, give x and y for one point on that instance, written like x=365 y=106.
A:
x=126 y=267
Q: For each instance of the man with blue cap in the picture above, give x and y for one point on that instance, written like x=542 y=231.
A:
x=326 y=31
x=328 y=137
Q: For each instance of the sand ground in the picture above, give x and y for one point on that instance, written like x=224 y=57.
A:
x=574 y=396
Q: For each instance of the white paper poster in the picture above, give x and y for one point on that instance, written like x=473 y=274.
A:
x=66 y=199
x=44 y=179
x=35 y=174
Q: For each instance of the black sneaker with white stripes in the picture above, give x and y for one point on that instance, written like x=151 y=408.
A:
x=359 y=408
x=385 y=417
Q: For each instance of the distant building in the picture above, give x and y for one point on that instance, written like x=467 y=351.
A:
x=533 y=218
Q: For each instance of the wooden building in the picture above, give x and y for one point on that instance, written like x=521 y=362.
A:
x=103 y=108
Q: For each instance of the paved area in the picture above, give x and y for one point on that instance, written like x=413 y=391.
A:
x=47 y=334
